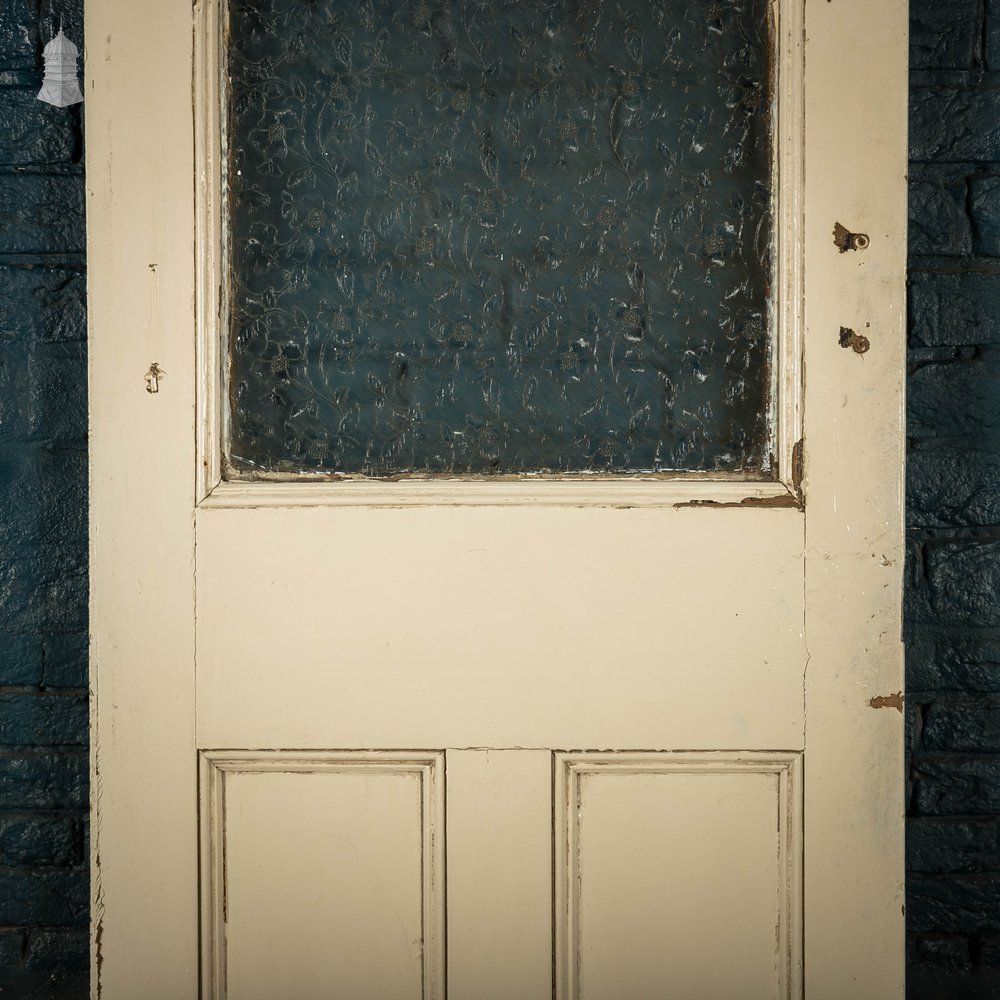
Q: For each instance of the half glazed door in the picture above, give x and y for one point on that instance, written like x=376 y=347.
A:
x=576 y=696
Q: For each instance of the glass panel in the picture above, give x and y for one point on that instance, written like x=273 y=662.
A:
x=499 y=237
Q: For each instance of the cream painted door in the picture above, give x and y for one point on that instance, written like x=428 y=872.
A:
x=495 y=740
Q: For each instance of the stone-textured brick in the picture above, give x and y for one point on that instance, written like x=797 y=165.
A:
x=955 y=397
x=41 y=393
x=950 y=124
x=37 y=780
x=12 y=947
x=953 y=903
x=37 y=719
x=984 y=210
x=939 y=224
x=952 y=488
x=41 y=213
x=953 y=846
x=26 y=25
x=42 y=304
x=943 y=33
x=43 y=896
x=991 y=35
x=963 y=725
x=33 y=132
x=20 y=660
x=949 y=661
x=64 y=660
x=57 y=393
x=26 y=984
x=962 y=585
x=40 y=840
x=43 y=588
x=949 y=952
x=947 y=785
x=946 y=309
x=984 y=201
x=58 y=949
x=44 y=493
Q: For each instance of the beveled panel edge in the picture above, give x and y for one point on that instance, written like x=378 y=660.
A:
x=214 y=765
x=211 y=261
x=524 y=492
x=785 y=765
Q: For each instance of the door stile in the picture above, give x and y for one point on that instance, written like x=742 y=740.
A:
x=144 y=860
x=855 y=176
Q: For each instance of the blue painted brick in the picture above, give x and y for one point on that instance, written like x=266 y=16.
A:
x=43 y=896
x=58 y=949
x=20 y=660
x=43 y=393
x=963 y=724
x=41 y=214
x=960 y=585
x=952 y=661
x=44 y=495
x=985 y=212
x=13 y=945
x=943 y=33
x=952 y=903
x=952 y=784
x=33 y=839
x=35 y=133
x=64 y=660
x=56 y=397
x=953 y=846
x=938 y=223
x=952 y=309
x=950 y=952
x=43 y=780
x=955 y=396
x=43 y=719
x=948 y=487
x=27 y=25
x=991 y=35
x=43 y=588
x=950 y=124
x=42 y=304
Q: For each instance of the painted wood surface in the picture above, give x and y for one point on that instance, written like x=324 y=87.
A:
x=261 y=622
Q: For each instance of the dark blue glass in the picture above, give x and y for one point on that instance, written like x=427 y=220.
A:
x=499 y=237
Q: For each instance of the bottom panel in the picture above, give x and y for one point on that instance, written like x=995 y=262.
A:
x=678 y=875
x=674 y=875
x=323 y=876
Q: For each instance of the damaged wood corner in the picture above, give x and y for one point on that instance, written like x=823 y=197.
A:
x=888 y=701
x=798 y=471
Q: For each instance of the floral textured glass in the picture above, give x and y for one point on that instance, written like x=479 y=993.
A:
x=499 y=236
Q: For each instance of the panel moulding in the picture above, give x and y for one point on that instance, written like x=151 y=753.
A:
x=784 y=767
x=215 y=766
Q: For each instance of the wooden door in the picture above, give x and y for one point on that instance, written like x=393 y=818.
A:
x=581 y=738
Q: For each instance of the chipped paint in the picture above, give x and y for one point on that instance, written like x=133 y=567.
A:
x=888 y=701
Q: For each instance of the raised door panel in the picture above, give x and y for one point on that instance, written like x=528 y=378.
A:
x=323 y=873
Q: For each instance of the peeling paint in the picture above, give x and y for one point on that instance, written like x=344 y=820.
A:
x=888 y=701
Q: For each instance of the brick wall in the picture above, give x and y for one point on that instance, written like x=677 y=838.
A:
x=43 y=522
x=953 y=496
